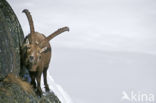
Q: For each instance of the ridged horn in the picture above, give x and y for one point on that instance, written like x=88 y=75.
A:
x=31 y=24
x=51 y=36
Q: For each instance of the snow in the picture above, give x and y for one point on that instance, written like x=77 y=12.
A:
x=57 y=89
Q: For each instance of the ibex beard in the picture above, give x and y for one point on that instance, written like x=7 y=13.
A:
x=36 y=54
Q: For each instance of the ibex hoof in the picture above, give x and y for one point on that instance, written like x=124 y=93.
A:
x=39 y=93
x=47 y=89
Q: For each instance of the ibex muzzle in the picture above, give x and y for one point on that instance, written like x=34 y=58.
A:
x=36 y=53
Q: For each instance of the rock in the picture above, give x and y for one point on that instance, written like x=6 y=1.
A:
x=11 y=38
x=15 y=90
x=49 y=98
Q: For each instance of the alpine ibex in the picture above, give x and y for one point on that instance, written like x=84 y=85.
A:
x=36 y=53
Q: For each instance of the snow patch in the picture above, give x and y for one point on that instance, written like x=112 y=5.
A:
x=57 y=89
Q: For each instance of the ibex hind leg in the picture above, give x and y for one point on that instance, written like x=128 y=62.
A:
x=45 y=79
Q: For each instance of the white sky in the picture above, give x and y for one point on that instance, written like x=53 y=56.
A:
x=116 y=25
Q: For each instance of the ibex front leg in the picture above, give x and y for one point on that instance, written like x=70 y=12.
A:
x=39 y=90
x=33 y=75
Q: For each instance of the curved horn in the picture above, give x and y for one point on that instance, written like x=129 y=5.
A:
x=51 y=36
x=31 y=24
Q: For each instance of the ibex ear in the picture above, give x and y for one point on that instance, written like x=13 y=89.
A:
x=27 y=41
x=26 y=44
x=43 y=49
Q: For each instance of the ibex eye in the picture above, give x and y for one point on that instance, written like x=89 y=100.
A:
x=39 y=57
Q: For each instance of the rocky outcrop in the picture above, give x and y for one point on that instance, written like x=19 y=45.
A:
x=15 y=90
x=11 y=37
x=12 y=88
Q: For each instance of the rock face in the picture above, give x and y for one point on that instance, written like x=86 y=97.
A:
x=11 y=37
x=12 y=88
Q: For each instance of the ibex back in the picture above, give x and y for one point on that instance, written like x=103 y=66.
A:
x=36 y=53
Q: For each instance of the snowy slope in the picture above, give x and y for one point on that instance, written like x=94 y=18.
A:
x=57 y=89
x=92 y=76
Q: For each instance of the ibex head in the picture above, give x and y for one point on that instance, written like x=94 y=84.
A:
x=35 y=50
x=33 y=55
